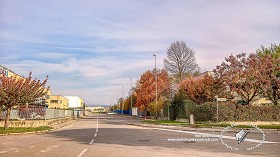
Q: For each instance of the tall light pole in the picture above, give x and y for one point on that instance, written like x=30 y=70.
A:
x=156 y=80
x=131 y=95
x=122 y=99
x=118 y=99
x=217 y=110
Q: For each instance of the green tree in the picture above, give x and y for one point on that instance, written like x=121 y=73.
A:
x=155 y=108
x=273 y=50
x=177 y=106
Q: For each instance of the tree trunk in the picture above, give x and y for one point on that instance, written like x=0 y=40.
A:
x=145 y=114
x=7 y=119
x=275 y=101
x=1 y=115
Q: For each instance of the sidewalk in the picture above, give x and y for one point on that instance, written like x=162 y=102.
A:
x=139 y=122
x=60 y=125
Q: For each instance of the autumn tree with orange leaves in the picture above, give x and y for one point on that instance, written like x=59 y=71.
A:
x=204 y=88
x=146 y=88
x=19 y=91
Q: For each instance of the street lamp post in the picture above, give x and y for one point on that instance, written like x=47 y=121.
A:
x=131 y=95
x=217 y=109
x=122 y=99
x=118 y=100
x=156 y=80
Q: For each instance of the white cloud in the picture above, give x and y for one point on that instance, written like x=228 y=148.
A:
x=53 y=55
x=90 y=48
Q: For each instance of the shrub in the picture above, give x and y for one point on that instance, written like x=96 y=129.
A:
x=232 y=112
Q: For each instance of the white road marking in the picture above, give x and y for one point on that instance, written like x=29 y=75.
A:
x=206 y=134
x=3 y=151
x=91 y=141
x=82 y=153
x=7 y=143
x=96 y=131
x=7 y=150
x=96 y=124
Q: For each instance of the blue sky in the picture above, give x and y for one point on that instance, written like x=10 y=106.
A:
x=91 y=48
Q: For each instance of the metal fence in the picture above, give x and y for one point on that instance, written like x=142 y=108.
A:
x=39 y=113
x=122 y=111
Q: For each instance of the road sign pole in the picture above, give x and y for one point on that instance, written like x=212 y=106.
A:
x=217 y=111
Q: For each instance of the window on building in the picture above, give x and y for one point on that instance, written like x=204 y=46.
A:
x=54 y=101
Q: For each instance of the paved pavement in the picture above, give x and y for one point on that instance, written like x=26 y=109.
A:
x=113 y=135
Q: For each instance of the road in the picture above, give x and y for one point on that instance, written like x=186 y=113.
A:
x=110 y=136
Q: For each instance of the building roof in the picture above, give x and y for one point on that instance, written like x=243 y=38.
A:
x=7 y=69
x=3 y=67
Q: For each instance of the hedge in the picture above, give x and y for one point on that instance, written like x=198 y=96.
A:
x=233 y=112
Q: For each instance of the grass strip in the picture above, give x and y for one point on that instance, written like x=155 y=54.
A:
x=208 y=125
x=24 y=129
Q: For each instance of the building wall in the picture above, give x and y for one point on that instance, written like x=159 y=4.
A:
x=81 y=103
x=59 y=102
x=8 y=73
x=75 y=102
x=47 y=98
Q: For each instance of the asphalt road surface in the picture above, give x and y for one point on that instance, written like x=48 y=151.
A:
x=110 y=136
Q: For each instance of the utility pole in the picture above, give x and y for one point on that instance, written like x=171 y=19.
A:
x=118 y=99
x=122 y=99
x=217 y=110
x=131 y=95
x=156 y=80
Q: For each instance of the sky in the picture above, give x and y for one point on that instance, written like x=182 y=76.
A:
x=90 y=48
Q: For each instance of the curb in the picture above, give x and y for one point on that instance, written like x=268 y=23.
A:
x=213 y=129
x=26 y=133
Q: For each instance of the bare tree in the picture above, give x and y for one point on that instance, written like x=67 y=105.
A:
x=180 y=60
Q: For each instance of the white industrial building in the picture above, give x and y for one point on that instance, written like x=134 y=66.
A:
x=75 y=102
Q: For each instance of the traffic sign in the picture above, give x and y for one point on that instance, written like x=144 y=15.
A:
x=221 y=99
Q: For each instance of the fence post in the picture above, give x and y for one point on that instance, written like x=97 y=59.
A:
x=191 y=119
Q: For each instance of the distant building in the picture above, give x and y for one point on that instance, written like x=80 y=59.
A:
x=59 y=102
x=98 y=109
x=202 y=75
x=75 y=102
x=8 y=73
x=47 y=98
